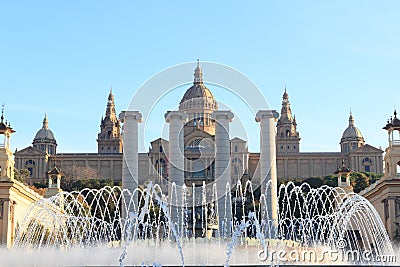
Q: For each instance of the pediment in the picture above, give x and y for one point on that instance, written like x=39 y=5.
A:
x=155 y=145
x=30 y=150
x=367 y=149
x=238 y=140
x=158 y=140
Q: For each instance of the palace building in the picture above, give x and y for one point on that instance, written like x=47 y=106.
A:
x=198 y=103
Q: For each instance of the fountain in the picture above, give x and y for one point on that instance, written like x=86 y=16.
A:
x=247 y=223
x=318 y=220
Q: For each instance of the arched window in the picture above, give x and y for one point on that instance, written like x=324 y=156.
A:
x=287 y=133
x=29 y=165
x=195 y=143
x=367 y=163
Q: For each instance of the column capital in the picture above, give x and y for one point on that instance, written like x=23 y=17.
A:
x=222 y=114
x=263 y=114
x=129 y=114
x=175 y=115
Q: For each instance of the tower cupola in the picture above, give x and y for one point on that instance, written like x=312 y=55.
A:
x=392 y=152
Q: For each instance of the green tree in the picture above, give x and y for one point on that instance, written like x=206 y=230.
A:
x=373 y=177
x=359 y=181
x=331 y=180
x=315 y=182
x=21 y=175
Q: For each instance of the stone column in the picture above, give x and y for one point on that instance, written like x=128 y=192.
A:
x=223 y=171
x=267 y=163
x=176 y=164
x=130 y=179
x=6 y=216
x=391 y=226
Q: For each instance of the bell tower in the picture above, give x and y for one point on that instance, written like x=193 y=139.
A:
x=287 y=139
x=110 y=139
x=6 y=155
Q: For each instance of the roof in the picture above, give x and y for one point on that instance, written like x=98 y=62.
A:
x=54 y=171
x=343 y=169
x=237 y=139
x=44 y=134
x=197 y=91
x=4 y=127
x=393 y=122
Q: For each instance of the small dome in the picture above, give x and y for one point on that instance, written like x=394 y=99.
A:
x=44 y=134
x=352 y=132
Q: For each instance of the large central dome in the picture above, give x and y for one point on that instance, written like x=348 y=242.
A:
x=199 y=103
x=44 y=138
x=198 y=96
x=197 y=91
x=45 y=134
x=352 y=133
x=351 y=138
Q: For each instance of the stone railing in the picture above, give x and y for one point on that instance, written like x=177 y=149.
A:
x=395 y=143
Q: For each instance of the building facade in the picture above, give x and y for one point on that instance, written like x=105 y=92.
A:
x=385 y=194
x=198 y=103
x=15 y=197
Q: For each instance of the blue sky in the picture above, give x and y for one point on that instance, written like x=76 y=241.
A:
x=62 y=57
